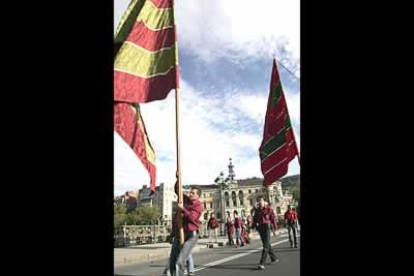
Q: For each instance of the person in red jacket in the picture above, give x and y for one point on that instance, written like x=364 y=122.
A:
x=297 y=221
x=262 y=222
x=191 y=211
x=273 y=220
x=175 y=249
x=244 y=234
x=249 y=234
x=230 y=230
x=212 y=226
x=238 y=224
x=291 y=218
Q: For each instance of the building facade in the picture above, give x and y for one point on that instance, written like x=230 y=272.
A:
x=129 y=199
x=229 y=195
x=144 y=198
x=221 y=198
x=164 y=198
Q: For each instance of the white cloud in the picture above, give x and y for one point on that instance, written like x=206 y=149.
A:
x=210 y=135
x=119 y=9
x=240 y=29
x=293 y=103
x=237 y=29
x=254 y=105
x=212 y=125
x=129 y=172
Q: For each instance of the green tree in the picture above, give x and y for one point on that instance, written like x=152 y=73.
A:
x=296 y=193
x=133 y=217
x=120 y=215
x=140 y=216
x=148 y=214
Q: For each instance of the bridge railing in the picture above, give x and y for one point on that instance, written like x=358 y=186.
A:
x=128 y=235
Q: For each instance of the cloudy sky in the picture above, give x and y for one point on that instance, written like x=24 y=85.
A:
x=225 y=56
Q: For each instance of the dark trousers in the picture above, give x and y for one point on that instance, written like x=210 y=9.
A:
x=175 y=250
x=264 y=231
x=230 y=235
x=292 y=228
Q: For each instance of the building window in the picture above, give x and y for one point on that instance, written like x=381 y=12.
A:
x=241 y=198
x=226 y=198
x=257 y=190
x=250 y=191
x=251 y=202
x=205 y=205
x=234 y=198
x=211 y=205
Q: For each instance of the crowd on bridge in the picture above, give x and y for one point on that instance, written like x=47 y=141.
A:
x=263 y=219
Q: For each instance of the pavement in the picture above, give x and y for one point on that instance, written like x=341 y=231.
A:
x=147 y=253
x=223 y=260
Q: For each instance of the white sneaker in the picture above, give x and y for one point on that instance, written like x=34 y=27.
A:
x=261 y=267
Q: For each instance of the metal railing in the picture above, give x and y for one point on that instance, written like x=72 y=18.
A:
x=128 y=235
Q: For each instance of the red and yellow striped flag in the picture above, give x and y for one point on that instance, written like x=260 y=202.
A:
x=131 y=127
x=146 y=66
x=145 y=70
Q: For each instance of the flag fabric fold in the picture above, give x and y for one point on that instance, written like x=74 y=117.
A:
x=130 y=126
x=146 y=65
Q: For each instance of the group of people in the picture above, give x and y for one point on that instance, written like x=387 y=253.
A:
x=263 y=219
x=238 y=227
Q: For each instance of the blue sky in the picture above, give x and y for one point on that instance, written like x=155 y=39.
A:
x=225 y=55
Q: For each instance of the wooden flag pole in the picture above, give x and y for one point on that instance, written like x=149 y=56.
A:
x=180 y=188
x=177 y=124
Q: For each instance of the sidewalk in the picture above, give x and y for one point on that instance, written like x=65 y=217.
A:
x=150 y=252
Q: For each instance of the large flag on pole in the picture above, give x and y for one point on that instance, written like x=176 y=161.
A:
x=146 y=67
x=145 y=70
x=130 y=126
x=278 y=146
